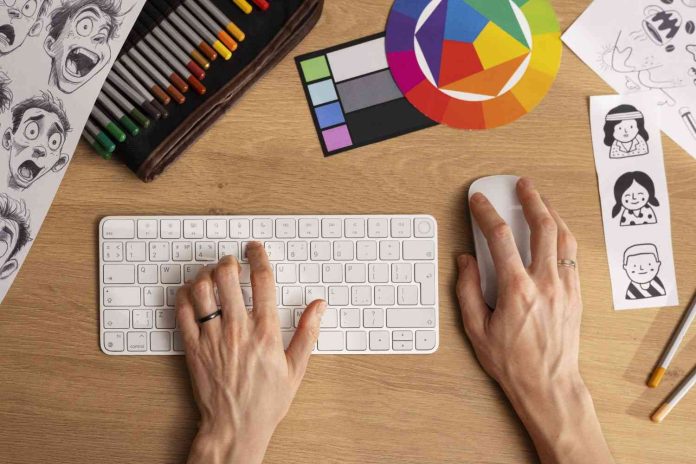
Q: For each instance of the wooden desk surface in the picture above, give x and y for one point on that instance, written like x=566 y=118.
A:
x=63 y=401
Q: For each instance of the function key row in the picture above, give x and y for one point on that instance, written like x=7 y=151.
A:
x=265 y=228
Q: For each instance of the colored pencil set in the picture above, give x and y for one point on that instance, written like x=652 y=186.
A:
x=168 y=53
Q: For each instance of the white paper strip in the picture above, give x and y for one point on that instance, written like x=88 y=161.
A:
x=54 y=58
x=635 y=200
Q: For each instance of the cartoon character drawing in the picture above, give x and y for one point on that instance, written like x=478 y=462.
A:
x=642 y=265
x=20 y=19
x=35 y=140
x=634 y=193
x=5 y=92
x=14 y=233
x=624 y=132
x=78 y=41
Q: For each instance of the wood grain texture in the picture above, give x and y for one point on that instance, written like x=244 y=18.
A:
x=63 y=401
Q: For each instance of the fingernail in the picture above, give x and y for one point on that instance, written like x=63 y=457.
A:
x=478 y=198
x=526 y=183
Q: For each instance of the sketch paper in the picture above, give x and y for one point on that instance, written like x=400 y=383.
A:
x=635 y=200
x=645 y=45
x=54 y=58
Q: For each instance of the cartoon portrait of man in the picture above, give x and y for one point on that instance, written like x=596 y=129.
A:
x=5 y=92
x=642 y=264
x=20 y=19
x=35 y=140
x=14 y=233
x=78 y=41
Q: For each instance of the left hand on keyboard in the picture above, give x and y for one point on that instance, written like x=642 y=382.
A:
x=243 y=381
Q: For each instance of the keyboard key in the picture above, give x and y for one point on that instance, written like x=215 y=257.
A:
x=114 y=341
x=245 y=274
x=178 y=341
x=216 y=228
x=285 y=318
x=407 y=295
x=350 y=318
x=286 y=273
x=159 y=251
x=373 y=317
x=356 y=341
x=285 y=228
x=332 y=273
x=153 y=296
x=206 y=251
x=165 y=319
x=182 y=251
x=330 y=341
x=248 y=297
x=142 y=319
x=297 y=315
x=170 y=273
x=160 y=341
x=331 y=228
x=116 y=319
x=402 y=345
x=425 y=276
x=401 y=228
x=419 y=250
x=287 y=337
x=367 y=251
x=193 y=228
x=378 y=273
x=191 y=271
x=330 y=319
x=297 y=251
x=275 y=251
x=239 y=228
x=137 y=341
x=361 y=295
x=379 y=340
x=171 y=295
x=343 y=250
x=389 y=250
x=113 y=252
x=147 y=228
x=170 y=228
x=147 y=274
x=309 y=228
x=384 y=295
x=121 y=296
x=355 y=228
x=402 y=335
x=314 y=293
x=377 y=228
x=309 y=273
x=320 y=251
x=339 y=296
x=411 y=317
x=423 y=228
x=402 y=272
x=292 y=296
x=228 y=249
x=356 y=273
x=425 y=340
x=119 y=274
x=118 y=228
x=136 y=251
x=262 y=228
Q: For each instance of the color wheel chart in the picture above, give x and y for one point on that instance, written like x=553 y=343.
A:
x=474 y=64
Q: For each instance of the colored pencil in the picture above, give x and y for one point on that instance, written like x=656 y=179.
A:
x=126 y=105
x=199 y=27
x=108 y=124
x=117 y=113
x=146 y=80
x=673 y=346
x=122 y=78
x=153 y=16
x=147 y=70
x=96 y=146
x=675 y=397
x=168 y=11
x=244 y=6
x=146 y=51
x=100 y=136
x=213 y=26
x=263 y=4
x=222 y=18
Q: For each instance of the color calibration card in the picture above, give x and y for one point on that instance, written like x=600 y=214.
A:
x=353 y=98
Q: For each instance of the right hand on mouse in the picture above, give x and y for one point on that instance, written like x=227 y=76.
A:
x=529 y=344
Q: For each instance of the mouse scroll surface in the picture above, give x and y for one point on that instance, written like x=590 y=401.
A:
x=501 y=192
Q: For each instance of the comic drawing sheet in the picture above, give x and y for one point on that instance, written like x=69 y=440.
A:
x=54 y=58
x=635 y=200
x=645 y=45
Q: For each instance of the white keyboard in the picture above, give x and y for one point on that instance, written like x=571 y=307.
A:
x=377 y=273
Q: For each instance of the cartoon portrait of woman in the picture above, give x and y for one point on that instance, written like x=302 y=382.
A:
x=624 y=132
x=634 y=194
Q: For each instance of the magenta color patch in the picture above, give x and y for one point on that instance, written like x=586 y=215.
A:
x=410 y=73
x=337 y=138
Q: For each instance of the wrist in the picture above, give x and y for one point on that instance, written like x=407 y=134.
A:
x=220 y=445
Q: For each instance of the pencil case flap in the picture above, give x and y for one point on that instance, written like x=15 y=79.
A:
x=270 y=36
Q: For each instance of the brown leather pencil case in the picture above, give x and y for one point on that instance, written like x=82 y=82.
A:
x=270 y=35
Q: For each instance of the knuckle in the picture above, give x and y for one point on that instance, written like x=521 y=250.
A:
x=547 y=224
x=228 y=269
x=568 y=240
x=201 y=288
x=264 y=273
x=501 y=231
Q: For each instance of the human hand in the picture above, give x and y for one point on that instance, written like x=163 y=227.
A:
x=243 y=380
x=530 y=343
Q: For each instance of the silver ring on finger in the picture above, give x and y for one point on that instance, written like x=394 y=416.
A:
x=210 y=317
x=567 y=263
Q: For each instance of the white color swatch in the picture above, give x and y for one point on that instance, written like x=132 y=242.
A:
x=358 y=60
x=635 y=200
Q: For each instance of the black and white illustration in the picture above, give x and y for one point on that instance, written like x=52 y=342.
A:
x=634 y=196
x=20 y=19
x=625 y=133
x=642 y=265
x=34 y=141
x=14 y=233
x=79 y=41
x=5 y=92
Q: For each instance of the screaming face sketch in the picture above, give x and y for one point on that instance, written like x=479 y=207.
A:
x=20 y=19
x=14 y=233
x=35 y=140
x=624 y=132
x=634 y=194
x=78 y=41
x=642 y=264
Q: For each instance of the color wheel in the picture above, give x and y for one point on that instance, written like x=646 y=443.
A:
x=474 y=64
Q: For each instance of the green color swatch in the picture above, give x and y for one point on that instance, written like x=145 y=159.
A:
x=315 y=68
x=501 y=13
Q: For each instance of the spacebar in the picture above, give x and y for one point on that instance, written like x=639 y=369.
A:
x=410 y=317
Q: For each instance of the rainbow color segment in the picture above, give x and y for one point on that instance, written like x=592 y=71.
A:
x=474 y=64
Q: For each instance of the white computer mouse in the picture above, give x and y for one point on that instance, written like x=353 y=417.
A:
x=501 y=192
